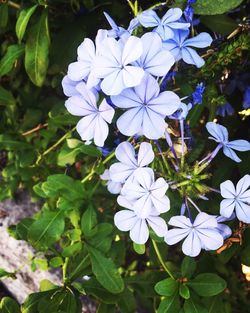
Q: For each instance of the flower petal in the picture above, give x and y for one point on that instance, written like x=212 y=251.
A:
x=159 y=187
x=132 y=75
x=106 y=111
x=77 y=106
x=139 y=233
x=153 y=124
x=243 y=212
x=242 y=185
x=125 y=153
x=145 y=154
x=200 y=41
x=190 y=56
x=119 y=172
x=148 y=18
x=171 y=15
x=125 y=220
x=192 y=245
x=211 y=239
x=166 y=103
x=218 y=131
x=227 y=189
x=132 y=50
x=231 y=154
x=128 y=98
x=175 y=235
x=204 y=220
x=180 y=221
x=113 y=84
x=130 y=122
x=227 y=207
x=158 y=225
x=162 y=204
x=239 y=145
x=101 y=131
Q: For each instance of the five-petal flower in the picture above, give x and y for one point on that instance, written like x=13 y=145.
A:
x=137 y=221
x=94 y=123
x=114 y=65
x=237 y=199
x=164 y=26
x=179 y=46
x=147 y=109
x=220 y=134
x=129 y=162
x=201 y=234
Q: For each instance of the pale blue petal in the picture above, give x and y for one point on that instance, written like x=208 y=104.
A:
x=119 y=172
x=171 y=15
x=231 y=154
x=125 y=220
x=190 y=56
x=243 y=212
x=148 y=89
x=111 y=22
x=145 y=154
x=153 y=124
x=192 y=245
x=86 y=51
x=218 y=131
x=200 y=41
x=106 y=111
x=148 y=18
x=125 y=153
x=227 y=207
x=178 y=25
x=175 y=235
x=101 y=131
x=158 y=225
x=162 y=204
x=132 y=50
x=166 y=103
x=242 y=185
x=159 y=188
x=239 y=145
x=164 y=32
x=210 y=239
x=78 y=70
x=130 y=123
x=145 y=178
x=204 y=220
x=69 y=86
x=113 y=84
x=77 y=106
x=113 y=187
x=180 y=221
x=143 y=206
x=227 y=189
x=86 y=127
x=128 y=98
x=139 y=233
x=132 y=76
x=224 y=230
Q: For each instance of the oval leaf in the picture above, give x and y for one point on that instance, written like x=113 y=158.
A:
x=9 y=305
x=23 y=20
x=105 y=271
x=12 y=54
x=208 y=7
x=167 y=287
x=37 y=50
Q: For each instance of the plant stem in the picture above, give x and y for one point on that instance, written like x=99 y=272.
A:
x=54 y=145
x=64 y=270
x=161 y=260
x=194 y=205
x=14 y=5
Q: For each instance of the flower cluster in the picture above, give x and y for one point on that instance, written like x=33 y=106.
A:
x=122 y=77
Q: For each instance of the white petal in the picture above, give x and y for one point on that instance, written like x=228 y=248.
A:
x=180 y=221
x=204 y=220
x=192 y=245
x=227 y=189
x=159 y=187
x=139 y=233
x=86 y=51
x=227 y=207
x=211 y=239
x=162 y=204
x=119 y=172
x=243 y=212
x=114 y=188
x=78 y=70
x=175 y=235
x=127 y=99
x=145 y=154
x=124 y=202
x=101 y=131
x=143 y=206
x=125 y=220
x=166 y=103
x=77 y=106
x=153 y=124
x=106 y=111
x=130 y=122
x=158 y=225
x=132 y=75
x=86 y=127
x=145 y=178
x=242 y=185
x=132 y=50
x=113 y=83
x=125 y=153
x=87 y=94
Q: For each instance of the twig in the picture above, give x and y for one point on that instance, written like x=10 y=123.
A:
x=35 y=129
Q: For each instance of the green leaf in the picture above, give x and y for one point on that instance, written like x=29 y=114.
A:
x=221 y=24
x=106 y=308
x=9 y=305
x=100 y=238
x=167 y=287
x=78 y=265
x=126 y=302
x=57 y=261
x=67 y=156
x=22 y=228
x=190 y=306
x=170 y=304
x=6 y=97
x=208 y=7
x=207 y=284
x=8 y=60
x=46 y=230
x=23 y=20
x=37 y=50
x=140 y=249
x=4 y=14
x=4 y=274
x=72 y=249
x=88 y=221
x=188 y=267
x=184 y=291
x=46 y=285
x=105 y=271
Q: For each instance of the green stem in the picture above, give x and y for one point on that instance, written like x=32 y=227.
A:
x=64 y=270
x=161 y=260
x=54 y=145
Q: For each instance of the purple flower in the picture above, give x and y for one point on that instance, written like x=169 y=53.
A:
x=220 y=135
x=154 y=59
x=182 y=112
x=237 y=199
x=147 y=109
x=113 y=64
x=197 y=94
x=201 y=234
x=137 y=222
x=93 y=125
x=164 y=26
x=129 y=162
x=225 y=109
x=179 y=46
x=146 y=194
x=246 y=98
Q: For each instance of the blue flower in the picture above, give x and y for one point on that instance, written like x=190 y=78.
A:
x=154 y=59
x=179 y=46
x=165 y=26
x=197 y=94
x=237 y=199
x=147 y=109
x=201 y=234
x=113 y=64
x=137 y=222
x=225 y=109
x=129 y=162
x=93 y=125
x=220 y=134
x=113 y=187
x=246 y=98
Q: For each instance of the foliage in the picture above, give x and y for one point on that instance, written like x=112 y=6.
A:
x=41 y=151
